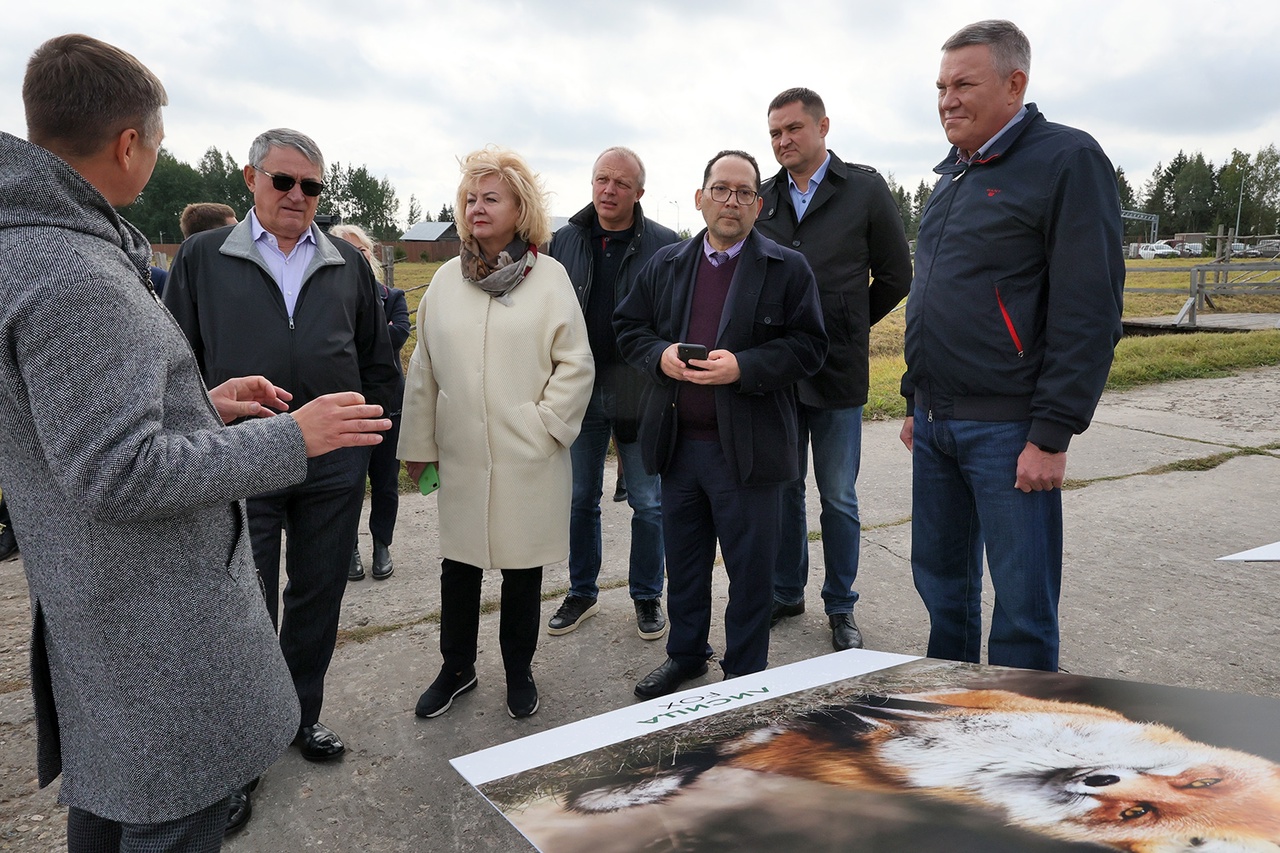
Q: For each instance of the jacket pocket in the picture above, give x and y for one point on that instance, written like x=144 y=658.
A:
x=542 y=442
x=769 y=321
x=1009 y=325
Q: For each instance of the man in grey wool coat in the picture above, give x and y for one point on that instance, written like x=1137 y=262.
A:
x=159 y=685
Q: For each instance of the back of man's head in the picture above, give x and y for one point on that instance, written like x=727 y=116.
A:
x=204 y=216
x=81 y=93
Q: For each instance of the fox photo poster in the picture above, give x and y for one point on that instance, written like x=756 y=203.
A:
x=866 y=751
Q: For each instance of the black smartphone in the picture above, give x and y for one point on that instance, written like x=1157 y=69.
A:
x=684 y=352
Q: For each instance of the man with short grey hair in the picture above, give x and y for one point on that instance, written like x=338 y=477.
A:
x=159 y=686
x=1012 y=321
x=275 y=295
x=603 y=249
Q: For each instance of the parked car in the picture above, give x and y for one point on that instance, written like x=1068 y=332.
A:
x=1192 y=250
x=1147 y=251
x=1269 y=248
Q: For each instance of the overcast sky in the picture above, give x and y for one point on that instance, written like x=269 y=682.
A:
x=406 y=88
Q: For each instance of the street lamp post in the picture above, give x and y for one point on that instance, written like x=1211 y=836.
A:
x=677 y=204
x=1240 y=203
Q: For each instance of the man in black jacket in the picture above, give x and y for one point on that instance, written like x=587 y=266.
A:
x=603 y=248
x=275 y=295
x=842 y=218
x=720 y=426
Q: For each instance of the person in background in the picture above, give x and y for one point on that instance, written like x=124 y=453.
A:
x=205 y=216
x=843 y=219
x=384 y=467
x=603 y=248
x=495 y=394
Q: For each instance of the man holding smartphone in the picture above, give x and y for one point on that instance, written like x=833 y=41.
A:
x=720 y=429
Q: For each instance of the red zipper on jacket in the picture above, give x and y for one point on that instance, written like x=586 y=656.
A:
x=1008 y=322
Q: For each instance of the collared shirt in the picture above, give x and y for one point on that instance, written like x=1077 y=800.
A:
x=287 y=270
x=713 y=255
x=978 y=155
x=800 y=200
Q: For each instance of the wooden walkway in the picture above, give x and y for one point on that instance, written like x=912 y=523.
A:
x=1205 y=322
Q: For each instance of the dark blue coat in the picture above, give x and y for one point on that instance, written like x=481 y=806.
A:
x=772 y=323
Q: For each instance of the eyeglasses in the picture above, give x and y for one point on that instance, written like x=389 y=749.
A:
x=284 y=183
x=721 y=194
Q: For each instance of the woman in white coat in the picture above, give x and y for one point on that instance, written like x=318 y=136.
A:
x=495 y=394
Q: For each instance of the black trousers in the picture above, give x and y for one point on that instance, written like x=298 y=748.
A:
x=320 y=517
x=518 y=622
x=197 y=833
x=384 y=484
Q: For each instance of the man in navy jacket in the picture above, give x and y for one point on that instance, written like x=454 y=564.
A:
x=1013 y=317
x=721 y=429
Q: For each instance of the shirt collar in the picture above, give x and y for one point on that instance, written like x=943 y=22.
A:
x=258 y=232
x=732 y=251
x=815 y=179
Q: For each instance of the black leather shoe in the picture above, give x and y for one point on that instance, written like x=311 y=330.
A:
x=356 y=572
x=239 y=810
x=667 y=679
x=844 y=632
x=780 y=611
x=382 y=565
x=438 y=698
x=319 y=743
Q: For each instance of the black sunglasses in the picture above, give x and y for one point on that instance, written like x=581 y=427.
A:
x=284 y=183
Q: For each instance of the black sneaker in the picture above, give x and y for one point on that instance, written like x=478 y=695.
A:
x=356 y=572
x=650 y=623
x=440 y=695
x=573 y=612
x=522 y=695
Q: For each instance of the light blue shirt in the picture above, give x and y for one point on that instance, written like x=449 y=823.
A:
x=800 y=200
x=287 y=270
x=713 y=255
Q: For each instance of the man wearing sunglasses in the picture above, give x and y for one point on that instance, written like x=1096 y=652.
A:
x=275 y=295
x=720 y=425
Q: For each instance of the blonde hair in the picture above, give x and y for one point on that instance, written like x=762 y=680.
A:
x=361 y=237
x=534 y=224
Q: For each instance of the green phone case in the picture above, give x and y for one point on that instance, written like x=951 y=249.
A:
x=430 y=479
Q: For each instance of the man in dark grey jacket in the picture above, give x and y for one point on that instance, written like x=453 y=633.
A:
x=159 y=686
x=842 y=218
x=277 y=296
x=603 y=249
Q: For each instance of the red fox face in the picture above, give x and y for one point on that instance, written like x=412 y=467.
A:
x=1066 y=770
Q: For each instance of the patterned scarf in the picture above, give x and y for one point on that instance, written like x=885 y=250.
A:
x=500 y=277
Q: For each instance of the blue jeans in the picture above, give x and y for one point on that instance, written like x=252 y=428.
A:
x=962 y=498
x=836 y=435
x=644 y=494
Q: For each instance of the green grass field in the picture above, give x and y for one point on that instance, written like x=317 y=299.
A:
x=1138 y=360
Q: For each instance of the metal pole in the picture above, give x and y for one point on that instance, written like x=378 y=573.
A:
x=1240 y=203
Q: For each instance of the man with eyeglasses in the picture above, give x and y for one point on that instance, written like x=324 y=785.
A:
x=843 y=219
x=275 y=295
x=723 y=325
